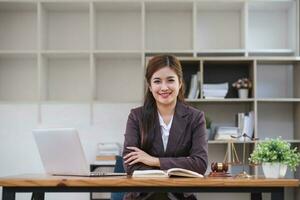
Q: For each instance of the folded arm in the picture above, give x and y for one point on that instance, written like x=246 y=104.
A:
x=134 y=157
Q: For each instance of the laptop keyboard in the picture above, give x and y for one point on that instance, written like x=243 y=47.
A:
x=103 y=174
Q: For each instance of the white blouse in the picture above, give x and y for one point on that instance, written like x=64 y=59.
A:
x=165 y=130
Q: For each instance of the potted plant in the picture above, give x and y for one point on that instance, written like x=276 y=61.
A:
x=275 y=155
x=242 y=85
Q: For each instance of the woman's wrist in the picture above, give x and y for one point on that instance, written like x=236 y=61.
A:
x=156 y=162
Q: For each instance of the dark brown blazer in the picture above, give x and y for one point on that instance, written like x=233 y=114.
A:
x=187 y=143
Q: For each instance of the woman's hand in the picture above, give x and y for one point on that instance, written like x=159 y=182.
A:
x=138 y=155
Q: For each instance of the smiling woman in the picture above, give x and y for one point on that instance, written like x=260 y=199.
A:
x=165 y=132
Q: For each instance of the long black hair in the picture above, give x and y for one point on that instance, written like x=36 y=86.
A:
x=149 y=115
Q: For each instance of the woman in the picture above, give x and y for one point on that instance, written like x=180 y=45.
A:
x=165 y=132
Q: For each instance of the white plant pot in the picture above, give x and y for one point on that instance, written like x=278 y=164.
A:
x=243 y=93
x=271 y=170
x=283 y=168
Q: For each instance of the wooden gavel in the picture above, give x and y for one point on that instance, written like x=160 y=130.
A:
x=219 y=167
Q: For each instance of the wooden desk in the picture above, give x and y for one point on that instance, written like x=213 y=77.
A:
x=39 y=184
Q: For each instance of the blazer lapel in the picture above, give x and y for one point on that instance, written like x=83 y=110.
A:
x=177 y=129
x=158 y=143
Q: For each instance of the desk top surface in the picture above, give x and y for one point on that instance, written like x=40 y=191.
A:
x=43 y=180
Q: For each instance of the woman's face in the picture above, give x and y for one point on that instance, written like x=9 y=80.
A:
x=165 y=85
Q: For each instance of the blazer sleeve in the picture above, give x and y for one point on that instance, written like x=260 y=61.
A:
x=197 y=159
x=132 y=138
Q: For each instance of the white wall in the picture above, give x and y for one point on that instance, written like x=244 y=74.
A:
x=18 y=151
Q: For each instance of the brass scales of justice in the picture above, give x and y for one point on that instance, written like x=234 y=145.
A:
x=220 y=169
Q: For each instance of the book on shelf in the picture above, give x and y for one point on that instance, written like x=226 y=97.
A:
x=194 y=87
x=245 y=124
x=164 y=174
x=197 y=93
x=240 y=121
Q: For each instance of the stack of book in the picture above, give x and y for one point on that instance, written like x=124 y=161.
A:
x=226 y=133
x=215 y=91
x=107 y=152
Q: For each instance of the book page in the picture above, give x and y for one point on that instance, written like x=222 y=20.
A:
x=149 y=173
x=183 y=172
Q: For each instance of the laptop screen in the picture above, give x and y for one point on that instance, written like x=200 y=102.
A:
x=61 y=151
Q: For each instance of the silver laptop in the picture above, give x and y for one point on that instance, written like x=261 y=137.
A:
x=62 y=153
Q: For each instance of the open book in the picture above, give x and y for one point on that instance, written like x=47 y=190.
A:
x=168 y=173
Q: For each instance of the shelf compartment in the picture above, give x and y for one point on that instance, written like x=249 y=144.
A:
x=65 y=26
x=228 y=71
x=113 y=72
x=272 y=25
x=220 y=26
x=189 y=67
x=278 y=79
x=162 y=32
x=118 y=25
x=18 y=78
x=18 y=22
x=224 y=113
x=278 y=119
x=65 y=78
